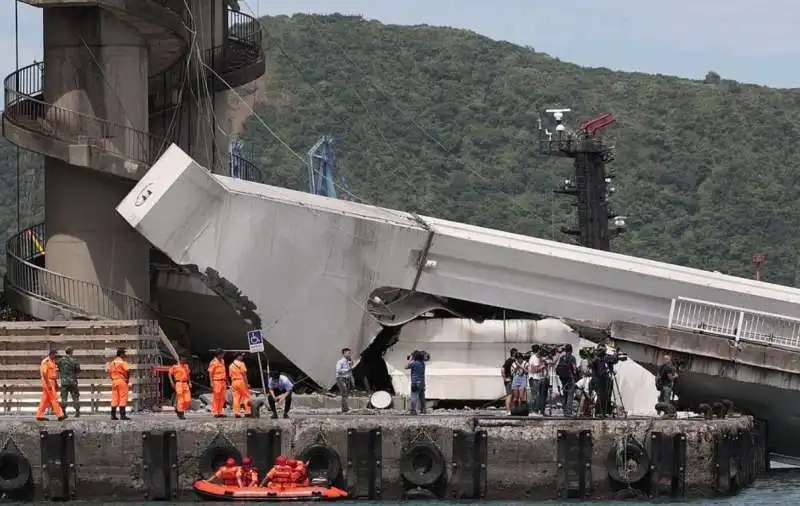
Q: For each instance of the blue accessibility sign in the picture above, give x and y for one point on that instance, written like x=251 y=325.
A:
x=255 y=340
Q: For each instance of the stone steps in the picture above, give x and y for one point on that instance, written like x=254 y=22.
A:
x=23 y=345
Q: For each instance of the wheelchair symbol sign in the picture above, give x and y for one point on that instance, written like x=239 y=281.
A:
x=255 y=341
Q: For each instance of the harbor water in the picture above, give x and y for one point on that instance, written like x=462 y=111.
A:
x=775 y=488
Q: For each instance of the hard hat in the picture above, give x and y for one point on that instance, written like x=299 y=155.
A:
x=247 y=461
x=230 y=462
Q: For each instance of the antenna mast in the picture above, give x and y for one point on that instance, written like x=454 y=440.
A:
x=597 y=222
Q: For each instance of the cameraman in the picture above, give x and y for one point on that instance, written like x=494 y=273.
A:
x=567 y=372
x=536 y=372
x=416 y=363
x=602 y=381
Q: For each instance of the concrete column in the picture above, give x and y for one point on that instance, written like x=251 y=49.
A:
x=97 y=66
x=87 y=239
x=96 y=77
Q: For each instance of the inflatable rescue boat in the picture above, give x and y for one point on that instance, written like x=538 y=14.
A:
x=213 y=492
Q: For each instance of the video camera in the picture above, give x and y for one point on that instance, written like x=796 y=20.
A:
x=610 y=356
x=549 y=351
x=419 y=355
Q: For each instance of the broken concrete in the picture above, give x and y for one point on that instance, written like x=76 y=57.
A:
x=521 y=461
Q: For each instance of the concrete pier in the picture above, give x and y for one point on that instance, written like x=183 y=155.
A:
x=482 y=457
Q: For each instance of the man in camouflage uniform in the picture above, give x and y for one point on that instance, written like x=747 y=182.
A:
x=68 y=369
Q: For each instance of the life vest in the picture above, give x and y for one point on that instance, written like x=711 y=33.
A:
x=280 y=474
x=228 y=474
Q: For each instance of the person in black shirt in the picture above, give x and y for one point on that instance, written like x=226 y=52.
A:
x=665 y=379
x=505 y=372
x=567 y=371
x=602 y=380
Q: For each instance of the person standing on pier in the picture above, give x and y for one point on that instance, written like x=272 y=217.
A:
x=239 y=385
x=68 y=369
x=344 y=376
x=179 y=377
x=120 y=372
x=48 y=371
x=219 y=383
x=505 y=371
x=665 y=380
x=416 y=363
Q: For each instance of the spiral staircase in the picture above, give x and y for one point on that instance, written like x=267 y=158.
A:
x=96 y=143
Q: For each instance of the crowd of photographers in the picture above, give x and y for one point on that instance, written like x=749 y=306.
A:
x=535 y=380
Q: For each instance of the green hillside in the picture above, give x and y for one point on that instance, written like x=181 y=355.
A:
x=443 y=122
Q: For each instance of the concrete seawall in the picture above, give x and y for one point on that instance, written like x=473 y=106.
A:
x=479 y=457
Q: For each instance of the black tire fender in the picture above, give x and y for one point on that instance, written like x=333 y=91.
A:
x=322 y=461
x=15 y=471
x=629 y=464
x=214 y=456
x=422 y=465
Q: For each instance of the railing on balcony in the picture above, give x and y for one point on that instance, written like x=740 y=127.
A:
x=244 y=29
x=76 y=297
x=244 y=39
x=24 y=107
x=739 y=324
x=241 y=168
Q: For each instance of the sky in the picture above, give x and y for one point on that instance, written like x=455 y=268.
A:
x=747 y=40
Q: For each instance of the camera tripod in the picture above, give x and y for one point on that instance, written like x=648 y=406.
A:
x=615 y=410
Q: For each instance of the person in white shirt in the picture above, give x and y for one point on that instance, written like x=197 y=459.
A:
x=344 y=376
x=536 y=372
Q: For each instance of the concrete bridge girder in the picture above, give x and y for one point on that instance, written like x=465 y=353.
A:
x=761 y=380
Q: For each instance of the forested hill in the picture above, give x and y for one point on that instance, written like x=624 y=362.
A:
x=443 y=122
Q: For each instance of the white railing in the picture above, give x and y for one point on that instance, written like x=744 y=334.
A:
x=734 y=322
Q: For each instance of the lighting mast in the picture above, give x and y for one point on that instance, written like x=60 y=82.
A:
x=591 y=185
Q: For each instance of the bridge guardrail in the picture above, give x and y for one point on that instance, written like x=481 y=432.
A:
x=737 y=323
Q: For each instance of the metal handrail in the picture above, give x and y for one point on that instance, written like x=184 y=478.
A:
x=241 y=168
x=243 y=30
x=83 y=297
x=21 y=91
x=736 y=323
x=80 y=298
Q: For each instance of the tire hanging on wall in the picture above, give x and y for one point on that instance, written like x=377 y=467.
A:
x=629 y=464
x=422 y=465
x=214 y=456
x=322 y=461
x=15 y=471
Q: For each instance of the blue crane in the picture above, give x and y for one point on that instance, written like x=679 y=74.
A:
x=322 y=166
x=236 y=150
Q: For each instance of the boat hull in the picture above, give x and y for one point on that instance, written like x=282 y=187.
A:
x=213 y=492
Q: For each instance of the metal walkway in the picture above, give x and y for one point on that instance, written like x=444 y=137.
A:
x=265 y=242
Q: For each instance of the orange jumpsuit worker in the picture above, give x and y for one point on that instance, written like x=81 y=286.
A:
x=226 y=473
x=247 y=475
x=48 y=371
x=219 y=383
x=241 y=389
x=119 y=370
x=179 y=375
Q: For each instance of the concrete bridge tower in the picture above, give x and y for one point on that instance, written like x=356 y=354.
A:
x=121 y=80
